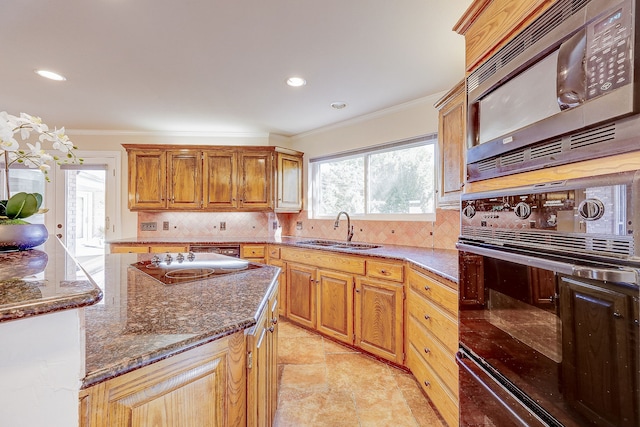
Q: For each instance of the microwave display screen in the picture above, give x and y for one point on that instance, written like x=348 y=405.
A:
x=607 y=22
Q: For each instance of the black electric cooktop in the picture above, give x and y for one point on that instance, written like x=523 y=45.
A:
x=182 y=268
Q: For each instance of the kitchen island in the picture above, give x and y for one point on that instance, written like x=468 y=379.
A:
x=174 y=353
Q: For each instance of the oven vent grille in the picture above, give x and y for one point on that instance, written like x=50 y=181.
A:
x=593 y=136
x=548 y=149
x=554 y=16
x=576 y=146
x=619 y=246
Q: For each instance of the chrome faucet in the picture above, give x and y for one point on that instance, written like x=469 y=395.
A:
x=349 y=226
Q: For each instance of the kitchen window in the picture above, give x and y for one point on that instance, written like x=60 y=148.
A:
x=394 y=181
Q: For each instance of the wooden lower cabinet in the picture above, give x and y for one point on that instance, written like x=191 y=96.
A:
x=255 y=253
x=262 y=366
x=204 y=386
x=432 y=339
x=379 y=318
x=145 y=249
x=335 y=305
x=301 y=294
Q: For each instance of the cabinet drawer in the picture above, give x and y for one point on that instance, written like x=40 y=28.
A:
x=274 y=252
x=253 y=251
x=328 y=260
x=117 y=249
x=439 y=359
x=434 y=319
x=385 y=270
x=163 y=249
x=434 y=290
x=444 y=402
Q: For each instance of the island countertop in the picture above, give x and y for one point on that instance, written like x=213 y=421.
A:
x=42 y=280
x=142 y=320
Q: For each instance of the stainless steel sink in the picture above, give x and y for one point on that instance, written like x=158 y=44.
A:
x=338 y=244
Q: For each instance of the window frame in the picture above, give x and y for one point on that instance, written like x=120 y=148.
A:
x=314 y=170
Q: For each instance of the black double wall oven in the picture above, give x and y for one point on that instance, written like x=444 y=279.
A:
x=549 y=317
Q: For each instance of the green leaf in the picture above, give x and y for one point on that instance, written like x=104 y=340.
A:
x=22 y=205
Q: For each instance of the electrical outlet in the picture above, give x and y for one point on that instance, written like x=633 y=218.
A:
x=275 y=225
x=223 y=225
x=165 y=225
x=298 y=225
x=148 y=226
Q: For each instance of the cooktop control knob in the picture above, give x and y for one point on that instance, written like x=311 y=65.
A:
x=522 y=210
x=180 y=258
x=168 y=259
x=191 y=256
x=469 y=211
x=591 y=209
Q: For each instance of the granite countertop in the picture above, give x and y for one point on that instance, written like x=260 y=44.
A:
x=38 y=281
x=142 y=320
x=442 y=262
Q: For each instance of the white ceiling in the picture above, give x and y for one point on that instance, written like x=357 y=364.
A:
x=219 y=67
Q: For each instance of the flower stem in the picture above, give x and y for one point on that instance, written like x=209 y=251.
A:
x=6 y=173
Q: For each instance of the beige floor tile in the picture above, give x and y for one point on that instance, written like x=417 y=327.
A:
x=305 y=377
x=300 y=350
x=331 y=346
x=318 y=409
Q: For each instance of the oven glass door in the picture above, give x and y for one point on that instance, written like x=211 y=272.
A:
x=567 y=346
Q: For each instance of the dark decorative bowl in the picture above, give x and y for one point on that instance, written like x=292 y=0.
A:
x=22 y=236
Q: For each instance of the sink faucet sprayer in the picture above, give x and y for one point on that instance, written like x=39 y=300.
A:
x=349 y=226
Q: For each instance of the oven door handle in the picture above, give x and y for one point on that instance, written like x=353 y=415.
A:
x=621 y=275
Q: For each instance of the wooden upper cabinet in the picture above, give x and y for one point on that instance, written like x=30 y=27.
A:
x=255 y=180
x=147 y=179
x=288 y=183
x=487 y=25
x=184 y=173
x=451 y=146
x=220 y=179
x=213 y=178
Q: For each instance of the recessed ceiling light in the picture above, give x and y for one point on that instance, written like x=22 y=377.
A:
x=338 y=105
x=51 y=75
x=296 y=81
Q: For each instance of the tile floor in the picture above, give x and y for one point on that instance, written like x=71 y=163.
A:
x=322 y=383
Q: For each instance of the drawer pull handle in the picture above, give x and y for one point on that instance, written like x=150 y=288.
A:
x=427 y=288
x=427 y=317
x=385 y=272
x=426 y=350
x=427 y=383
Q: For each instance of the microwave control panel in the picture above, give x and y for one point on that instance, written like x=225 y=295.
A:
x=609 y=51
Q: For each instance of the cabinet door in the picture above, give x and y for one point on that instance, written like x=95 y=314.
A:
x=301 y=295
x=335 y=305
x=147 y=179
x=289 y=183
x=272 y=358
x=599 y=351
x=282 y=292
x=185 y=179
x=255 y=180
x=220 y=179
x=451 y=146
x=379 y=318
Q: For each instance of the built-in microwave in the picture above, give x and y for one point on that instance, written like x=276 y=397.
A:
x=564 y=89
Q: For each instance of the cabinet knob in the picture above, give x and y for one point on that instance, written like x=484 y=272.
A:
x=427 y=383
x=274 y=320
x=617 y=315
x=272 y=328
x=385 y=272
x=426 y=350
x=427 y=288
x=427 y=317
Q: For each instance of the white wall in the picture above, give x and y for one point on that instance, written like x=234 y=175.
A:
x=41 y=366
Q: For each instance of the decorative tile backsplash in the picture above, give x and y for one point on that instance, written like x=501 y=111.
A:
x=442 y=234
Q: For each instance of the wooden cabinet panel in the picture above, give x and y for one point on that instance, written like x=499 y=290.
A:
x=301 y=294
x=147 y=179
x=204 y=386
x=451 y=146
x=432 y=317
x=255 y=182
x=379 y=318
x=489 y=25
x=320 y=259
x=273 y=252
x=434 y=353
x=434 y=290
x=385 y=270
x=124 y=249
x=253 y=251
x=288 y=183
x=262 y=387
x=282 y=288
x=427 y=378
x=184 y=173
x=220 y=179
x=335 y=305
x=164 y=249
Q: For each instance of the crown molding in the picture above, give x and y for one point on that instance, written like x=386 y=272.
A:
x=120 y=133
